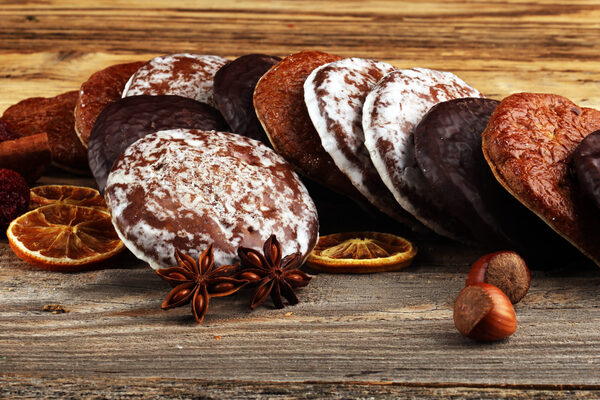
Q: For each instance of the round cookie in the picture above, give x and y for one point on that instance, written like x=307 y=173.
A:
x=101 y=89
x=448 y=153
x=54 y=116
x=586 y=162
x=279 y=103
x=125 y=121
x=390 y=113
x=334 y=94
x=528 y=145
x=186 y=189
x=234 y=86
x=186 y=75
x=6 y=132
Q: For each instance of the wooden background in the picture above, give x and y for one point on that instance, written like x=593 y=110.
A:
x=352 y=336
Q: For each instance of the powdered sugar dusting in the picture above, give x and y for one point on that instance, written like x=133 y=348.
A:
x=334 y=94
x=186 y=75
x=186 y=189
x=390 y=114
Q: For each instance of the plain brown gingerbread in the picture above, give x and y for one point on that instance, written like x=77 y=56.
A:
x=54 y=116
x=101 y=89
x=279 y=103
x=528 y=144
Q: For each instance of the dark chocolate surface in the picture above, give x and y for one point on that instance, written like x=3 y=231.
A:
x=586 y=162
x=233 y=89
x=131 y=118
x=448 y=152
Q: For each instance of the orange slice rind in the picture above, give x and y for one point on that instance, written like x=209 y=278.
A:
x=361 y=252
x=64 y=237
x=66 y=194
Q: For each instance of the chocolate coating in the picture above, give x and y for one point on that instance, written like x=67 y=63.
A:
x=448 y=152
x=586 y=162
x=233 y=88
x=131 y=118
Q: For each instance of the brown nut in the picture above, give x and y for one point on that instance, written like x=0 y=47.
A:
x=504 y=269
x=483 y=312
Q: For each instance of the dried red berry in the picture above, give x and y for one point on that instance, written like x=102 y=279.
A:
x=14 y=196
x=6 y=132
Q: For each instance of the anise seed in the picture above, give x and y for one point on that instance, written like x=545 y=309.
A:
x=222 y=287
x=249 y=276
x=177 y=276
x=261 y=291
x=180 y=295
x=254 y=258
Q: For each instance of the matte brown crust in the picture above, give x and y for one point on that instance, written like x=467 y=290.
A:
x=53 y=115
x=528 y=144
x=279 y=103
x=101 y=89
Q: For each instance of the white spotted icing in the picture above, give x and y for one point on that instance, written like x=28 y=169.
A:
x=187 y=189
x=334 y=94
x=390 y=114
x=186 y=75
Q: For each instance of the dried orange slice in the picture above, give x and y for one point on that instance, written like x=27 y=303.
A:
x=66 y=194
x=361 y=252
x=64 y=237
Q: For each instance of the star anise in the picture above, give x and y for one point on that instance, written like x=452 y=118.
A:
x=272 y=274
x=198 y=282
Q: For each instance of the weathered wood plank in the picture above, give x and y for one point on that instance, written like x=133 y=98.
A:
x=394 y=327
x=17 y=387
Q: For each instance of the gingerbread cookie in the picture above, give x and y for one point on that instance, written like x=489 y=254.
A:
x=186 y=189
x=233 y=89
x=101 y=89
x=391 y=112
x=529 y=143
x=129 y=119
x=334 y=94
x=54 y=116
x=186 y=75
x=280 y=107
x=448 y=153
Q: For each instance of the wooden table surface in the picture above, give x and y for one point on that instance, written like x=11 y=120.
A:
x=383 y=335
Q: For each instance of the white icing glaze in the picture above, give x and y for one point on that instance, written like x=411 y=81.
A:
x=390 y=114
x=334 y=94
x=189 y=188
x=186 y=75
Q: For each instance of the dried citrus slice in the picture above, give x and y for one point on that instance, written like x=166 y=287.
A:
x=66 y=194
x=361 y=252
x=64 y=237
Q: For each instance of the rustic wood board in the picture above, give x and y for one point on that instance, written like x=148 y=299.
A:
x=385 y=335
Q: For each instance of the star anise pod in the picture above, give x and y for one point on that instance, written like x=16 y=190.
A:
x=272 y=274
x=198 y=282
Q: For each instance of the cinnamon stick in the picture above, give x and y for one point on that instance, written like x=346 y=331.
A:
x=27 y=155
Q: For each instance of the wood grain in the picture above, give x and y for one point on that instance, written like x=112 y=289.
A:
x=118 y=388
x=501 y=47
x=373 y=336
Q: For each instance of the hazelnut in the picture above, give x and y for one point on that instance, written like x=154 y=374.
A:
x=483 y=312
x=504 y=269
